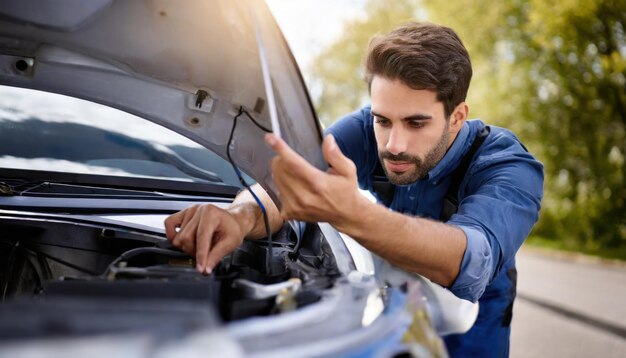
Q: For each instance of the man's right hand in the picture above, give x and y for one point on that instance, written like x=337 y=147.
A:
x=206 y=232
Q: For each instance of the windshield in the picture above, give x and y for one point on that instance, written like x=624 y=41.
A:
x=52 y=132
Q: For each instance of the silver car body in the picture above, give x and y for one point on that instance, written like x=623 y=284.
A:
x=190 y=67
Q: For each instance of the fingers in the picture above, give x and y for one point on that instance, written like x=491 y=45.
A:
x=221 y=248
x=339 y=163
x=204 y=239
x=171 y=223
x=294 y=178
x=287 y=186
x=289 y=158
x=184 y=230
x=186 y=237
x=280 y=147
x=200 y=227
x=291 y=172
x=176 y=221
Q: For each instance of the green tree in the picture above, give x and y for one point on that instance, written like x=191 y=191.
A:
x=555 y=73
x=338 y=70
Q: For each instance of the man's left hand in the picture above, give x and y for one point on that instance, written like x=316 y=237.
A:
x=309 y=194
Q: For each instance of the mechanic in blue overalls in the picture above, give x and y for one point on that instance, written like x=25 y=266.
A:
x=463 y=195
x=415 y=135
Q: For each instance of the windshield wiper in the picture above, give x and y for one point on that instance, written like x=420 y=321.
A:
x=59 y=189
x=21 y=182
x=169 y=156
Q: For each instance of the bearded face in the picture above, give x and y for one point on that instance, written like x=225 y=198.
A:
x=412 y=130
x=404 y=168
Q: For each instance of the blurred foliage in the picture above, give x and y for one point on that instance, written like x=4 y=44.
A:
x=553 y=72
x=338 y=70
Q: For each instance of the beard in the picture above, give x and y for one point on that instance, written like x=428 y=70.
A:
x=422 y=167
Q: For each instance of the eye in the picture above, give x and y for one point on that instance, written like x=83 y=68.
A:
x=416 y=124
x=383 y=122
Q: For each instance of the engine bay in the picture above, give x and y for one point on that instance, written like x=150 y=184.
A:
x=72 y=277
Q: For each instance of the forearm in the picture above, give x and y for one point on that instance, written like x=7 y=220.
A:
x=250 y=216
x=430 y=248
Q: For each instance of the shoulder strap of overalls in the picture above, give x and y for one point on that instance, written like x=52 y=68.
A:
x=381 y=185
x=451 y=200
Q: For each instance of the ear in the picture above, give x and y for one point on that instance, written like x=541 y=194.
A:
x=458 y=117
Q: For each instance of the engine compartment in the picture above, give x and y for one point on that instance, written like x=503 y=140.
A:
x=69 y=277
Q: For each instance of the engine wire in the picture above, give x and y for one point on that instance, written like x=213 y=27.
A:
x=268 y=231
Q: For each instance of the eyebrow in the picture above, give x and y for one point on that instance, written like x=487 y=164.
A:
x=414 y=117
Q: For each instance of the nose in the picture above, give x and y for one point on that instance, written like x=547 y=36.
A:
x=397 y=142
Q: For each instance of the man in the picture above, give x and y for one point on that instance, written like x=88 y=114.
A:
x=415 y=135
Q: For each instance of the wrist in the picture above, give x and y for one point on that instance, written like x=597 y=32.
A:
x=353 y=221
x=245 y=215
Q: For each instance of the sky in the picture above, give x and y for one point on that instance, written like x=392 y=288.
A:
x=310 y=25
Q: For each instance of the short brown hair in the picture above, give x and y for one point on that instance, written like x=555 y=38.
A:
x=423 y=56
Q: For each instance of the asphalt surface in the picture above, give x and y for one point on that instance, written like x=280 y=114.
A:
x=568 y=306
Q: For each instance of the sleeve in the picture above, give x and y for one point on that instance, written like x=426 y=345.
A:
x=499 y=206
x=354 y=135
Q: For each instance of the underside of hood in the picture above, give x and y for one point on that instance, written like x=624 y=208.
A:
x=189 y=66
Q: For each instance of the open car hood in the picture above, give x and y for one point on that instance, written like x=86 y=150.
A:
x=189 y=66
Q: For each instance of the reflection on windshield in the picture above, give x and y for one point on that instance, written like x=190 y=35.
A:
x=142 y=170
x=20 y=104
x=45 y=131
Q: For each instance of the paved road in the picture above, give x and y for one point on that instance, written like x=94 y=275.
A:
x=568 y=307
